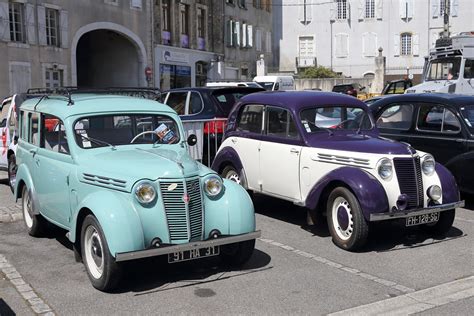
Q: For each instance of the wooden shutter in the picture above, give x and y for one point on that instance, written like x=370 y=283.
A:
x=64 y=28
x=42 y=25
x=237 y=33
x=435 y=8
x=30 y=23
x=396 y=45
x=244 y=35
x=361 y=9
x=416 y=44
x=250 y=36
x=379 y=9
x=455 y=7
x=4 y=22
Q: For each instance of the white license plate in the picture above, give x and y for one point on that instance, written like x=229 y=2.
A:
x=422 y=219
x=193 y=254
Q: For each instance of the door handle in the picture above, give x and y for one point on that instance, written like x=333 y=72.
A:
x=294 y=151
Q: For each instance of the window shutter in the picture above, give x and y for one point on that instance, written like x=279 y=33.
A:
x=333 y=11
x=396 y=45
x=268 y=42
x=345 y=45
x=361 y=9
x=4 y=22
x=244 y=35
x=136 y=4
x=379 y=9
x=237 y=33
x=435 y=8
x=250 y=36
x=455 y=7
x=365 y=39
x=30 y=23
x=42 y=26
x=402 y=9
x=416 y=44
x=301 y=12
x=411 y=9
x=228 y=33
x=348 y=10
x=63 y=28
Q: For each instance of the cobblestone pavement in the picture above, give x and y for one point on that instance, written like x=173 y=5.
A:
x=9 y=210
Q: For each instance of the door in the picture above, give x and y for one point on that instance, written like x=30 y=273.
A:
x=249 y=126
x=53 y=163
x=280 y=155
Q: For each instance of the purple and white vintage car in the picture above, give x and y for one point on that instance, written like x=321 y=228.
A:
x=323 y=151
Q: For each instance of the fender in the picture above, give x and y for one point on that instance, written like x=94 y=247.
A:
x=117 y=217
x=23 y=176
x=448 y=184
x=368 y=190
x=229 y=155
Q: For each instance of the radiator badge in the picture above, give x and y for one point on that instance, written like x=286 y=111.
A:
x=172 y=186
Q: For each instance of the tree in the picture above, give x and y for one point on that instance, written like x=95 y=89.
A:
x=319 y=72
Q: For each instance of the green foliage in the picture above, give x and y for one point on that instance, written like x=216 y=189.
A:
x=318 y=72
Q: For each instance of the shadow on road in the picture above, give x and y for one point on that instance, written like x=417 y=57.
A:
x=383 y=236
x=469 y=198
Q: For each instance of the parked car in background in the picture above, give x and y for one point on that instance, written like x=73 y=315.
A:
x=115 y=173
x=274 y=83
x=275 y=145
x=233 y=84
x=351 y=89
x=204 y=112
x=397 y=86
x=442 y=124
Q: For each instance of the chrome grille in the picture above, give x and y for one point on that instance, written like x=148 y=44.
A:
x=185 y=220
x=410 y=180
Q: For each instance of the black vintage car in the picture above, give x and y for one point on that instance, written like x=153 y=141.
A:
x=441 y=124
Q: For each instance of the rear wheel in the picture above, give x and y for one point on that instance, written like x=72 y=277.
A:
x=104 y=273
x=12 y=167
x=35 y=223
x=347 y=225
x=237 y=254
x=443 y=225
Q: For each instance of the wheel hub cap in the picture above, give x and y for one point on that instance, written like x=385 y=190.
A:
x=342 y=218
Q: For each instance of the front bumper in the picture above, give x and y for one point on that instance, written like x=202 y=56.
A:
x=125 y=256
x=403 y=214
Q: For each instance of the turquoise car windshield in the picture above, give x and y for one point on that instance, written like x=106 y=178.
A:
x=124 y=129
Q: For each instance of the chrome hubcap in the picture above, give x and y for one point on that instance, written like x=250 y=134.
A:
x=94 y=252
x=27 y=211
x=233 y=176
x=342 y=218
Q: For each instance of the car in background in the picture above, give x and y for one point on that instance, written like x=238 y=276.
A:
x=233 y=84
x=276 y=83
x=351 y=89
x=397 y=86
x=204 y=111
x=275 y=146
x=116 y=175
x=442 y=124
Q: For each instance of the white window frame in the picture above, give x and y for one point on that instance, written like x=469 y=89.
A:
x=370 y=9
x=52 y=29
x=406 y=44
x=17 y=28
x=341 y=10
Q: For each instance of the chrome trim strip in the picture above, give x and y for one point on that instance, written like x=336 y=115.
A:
x=404 y=214
x=125 y=256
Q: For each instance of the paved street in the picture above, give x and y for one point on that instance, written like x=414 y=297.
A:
x=294 y=270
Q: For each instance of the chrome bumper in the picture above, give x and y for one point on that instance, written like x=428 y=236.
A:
x=403 y=214
x=125 y=256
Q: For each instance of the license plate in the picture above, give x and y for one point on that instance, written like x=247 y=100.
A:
x=422 y=219
x=193 y=254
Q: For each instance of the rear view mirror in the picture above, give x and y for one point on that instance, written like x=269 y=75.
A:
x=192 y=140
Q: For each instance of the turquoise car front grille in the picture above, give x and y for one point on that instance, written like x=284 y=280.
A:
x=183 y=208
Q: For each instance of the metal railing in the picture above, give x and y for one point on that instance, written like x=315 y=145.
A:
x=210 y=134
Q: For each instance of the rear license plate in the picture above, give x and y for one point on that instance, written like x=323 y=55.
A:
x=422 y=219
x=193 y=254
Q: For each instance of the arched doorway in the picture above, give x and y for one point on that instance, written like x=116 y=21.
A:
x=107 y=55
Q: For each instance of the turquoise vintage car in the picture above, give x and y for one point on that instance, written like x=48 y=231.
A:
x=114 y=171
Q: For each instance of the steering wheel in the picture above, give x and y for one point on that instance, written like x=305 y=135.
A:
x=141 y=134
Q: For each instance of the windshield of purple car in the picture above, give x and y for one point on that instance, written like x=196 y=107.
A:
x=468 y=115
x=335 y=117
x=122 y=129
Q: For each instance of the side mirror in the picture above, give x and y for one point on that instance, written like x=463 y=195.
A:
x=192 y=140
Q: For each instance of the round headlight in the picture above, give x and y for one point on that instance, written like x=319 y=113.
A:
x=434 y=192
x=428 y=165
x=385 y=168
x=213 y=185
x=145 y=192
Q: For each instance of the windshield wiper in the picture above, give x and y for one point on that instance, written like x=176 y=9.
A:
x=97 y=141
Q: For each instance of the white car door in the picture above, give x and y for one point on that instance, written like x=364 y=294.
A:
x=280 y=155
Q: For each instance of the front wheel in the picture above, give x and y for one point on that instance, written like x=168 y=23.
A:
x=443 y=225
x=231 y=173
x=347 y=225
x=238 y=254
x=104 y=273
x=35 y=223
x=12 y=167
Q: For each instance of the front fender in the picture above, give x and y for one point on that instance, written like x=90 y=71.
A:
x=228 y=155
x=232 y=214
x=448 y=184
x=117 y=217
x=23 y=177
x=368 y=190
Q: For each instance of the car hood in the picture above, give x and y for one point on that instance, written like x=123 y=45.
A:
x=361 y=143
x=442 y=86
x=123 y=167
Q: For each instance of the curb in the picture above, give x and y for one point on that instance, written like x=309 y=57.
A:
x=10 y=214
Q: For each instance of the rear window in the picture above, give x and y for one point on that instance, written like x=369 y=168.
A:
x=228 y=99
x=341 y=88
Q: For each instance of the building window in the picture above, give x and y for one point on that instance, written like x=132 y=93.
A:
x=52 y=27
x=53 y=78
x=257 y=4
x=17 y=22
x=231 y=2
x=136 y=4
x=242 y=3
x=201 y=28
x=341 y=9
x=369 y=9
x=406 y=44
x=165 y=15
x=184 y=24
x=306 y=46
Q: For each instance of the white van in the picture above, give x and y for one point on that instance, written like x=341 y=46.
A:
x=233 y=84
x=273 y=83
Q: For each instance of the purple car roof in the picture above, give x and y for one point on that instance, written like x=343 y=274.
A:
x=297 y=100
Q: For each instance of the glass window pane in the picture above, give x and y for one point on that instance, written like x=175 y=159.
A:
x=430 y=117
x=250 y=119
x=397 y=116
